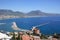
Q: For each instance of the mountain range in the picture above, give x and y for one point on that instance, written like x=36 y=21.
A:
x=31 y=13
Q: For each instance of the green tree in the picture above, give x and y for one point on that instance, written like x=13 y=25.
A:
x=13 y=38
x=19 y=38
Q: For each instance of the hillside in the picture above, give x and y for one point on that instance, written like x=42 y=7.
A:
x=40 y=13
x=15 y=14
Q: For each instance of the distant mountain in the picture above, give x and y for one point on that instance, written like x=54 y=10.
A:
x=31 y=13
x=40 y=13
x=36 y=12
x=10 y=12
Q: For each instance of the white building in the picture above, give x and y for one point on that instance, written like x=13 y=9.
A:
x=4 y=37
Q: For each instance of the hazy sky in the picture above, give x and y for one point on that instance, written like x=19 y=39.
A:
x=49 y=6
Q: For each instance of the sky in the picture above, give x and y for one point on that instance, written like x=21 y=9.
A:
x=48 y=6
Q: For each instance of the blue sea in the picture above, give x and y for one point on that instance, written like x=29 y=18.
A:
x=52 y=27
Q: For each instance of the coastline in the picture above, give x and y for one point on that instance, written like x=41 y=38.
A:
x=2 y=17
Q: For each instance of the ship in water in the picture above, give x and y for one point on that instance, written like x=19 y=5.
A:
x=15 y=27
x=46 y=27
x=11 y=27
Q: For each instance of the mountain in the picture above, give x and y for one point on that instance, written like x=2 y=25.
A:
x=34 y=13
x=10 y=12
x=40 y=13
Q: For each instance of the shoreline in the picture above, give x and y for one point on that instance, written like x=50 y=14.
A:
x=10 y=17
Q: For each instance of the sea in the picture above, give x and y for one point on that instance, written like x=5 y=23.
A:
x=48 y=25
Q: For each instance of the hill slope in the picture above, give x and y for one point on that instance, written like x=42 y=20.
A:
x=11 y=14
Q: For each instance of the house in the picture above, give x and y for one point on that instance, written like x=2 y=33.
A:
x=4 y=37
